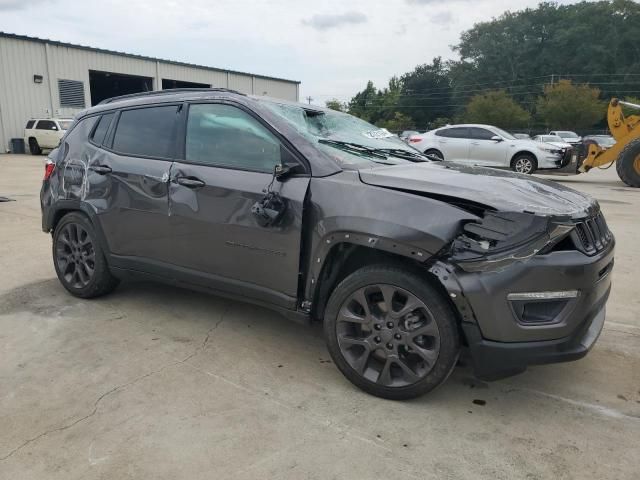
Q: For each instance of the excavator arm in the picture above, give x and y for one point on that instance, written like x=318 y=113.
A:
x=626 y=151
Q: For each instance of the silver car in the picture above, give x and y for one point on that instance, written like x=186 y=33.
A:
x=489 y=146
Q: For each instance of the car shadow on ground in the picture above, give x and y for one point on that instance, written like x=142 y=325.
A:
x=182 y=322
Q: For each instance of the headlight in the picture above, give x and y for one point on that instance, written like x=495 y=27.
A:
x=550 y=149
x=502 y=238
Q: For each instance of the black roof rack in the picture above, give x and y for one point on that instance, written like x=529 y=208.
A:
x=167 y=92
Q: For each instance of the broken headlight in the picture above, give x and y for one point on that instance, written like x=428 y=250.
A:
x=502 y=238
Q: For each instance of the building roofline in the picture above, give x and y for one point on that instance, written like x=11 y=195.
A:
x=139 y=57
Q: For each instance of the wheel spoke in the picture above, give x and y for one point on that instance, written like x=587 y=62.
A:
x=360 y=363
x=84 y=279
x=362 y=299
x=412 y=304
x=348 y=316
x=430 y=329
x=384 y=377
x=387 y=294
x=429 y=356
x=408 y=374
x=350 y=341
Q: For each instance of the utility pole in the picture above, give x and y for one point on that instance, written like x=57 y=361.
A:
x=309 y=99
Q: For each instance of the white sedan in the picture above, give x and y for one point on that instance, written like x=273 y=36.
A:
x=489 y=146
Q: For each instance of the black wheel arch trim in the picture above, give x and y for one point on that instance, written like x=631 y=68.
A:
x=62 y=207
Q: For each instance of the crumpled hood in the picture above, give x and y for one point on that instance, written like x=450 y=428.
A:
x=499 y=189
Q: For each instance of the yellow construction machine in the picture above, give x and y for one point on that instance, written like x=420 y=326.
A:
x=626 y=152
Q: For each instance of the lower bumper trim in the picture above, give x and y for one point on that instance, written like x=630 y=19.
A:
x=494 y=360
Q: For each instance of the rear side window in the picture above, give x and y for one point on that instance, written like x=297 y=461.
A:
x=30 y=124
x=456 y=132
x=222 y=135
x=480 y=133
x=146 y=132
x=46 y=125
x=101 y=130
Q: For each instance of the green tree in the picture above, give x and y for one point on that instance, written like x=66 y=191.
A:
x=497 y=108
x=398 y=123
x=594 y=42
x=425 y=93
x=335 y=104
x=569 y=106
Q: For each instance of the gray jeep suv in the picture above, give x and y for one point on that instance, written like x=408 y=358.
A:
x=324 y=217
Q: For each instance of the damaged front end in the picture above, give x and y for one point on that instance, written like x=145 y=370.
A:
x=501 y=238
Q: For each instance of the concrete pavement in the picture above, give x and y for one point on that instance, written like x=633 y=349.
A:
x=157 y=382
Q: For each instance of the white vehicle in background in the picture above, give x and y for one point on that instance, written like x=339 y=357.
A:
x=570 y=137
x=603 y=141
x=44 y=133
x=489 y=146
x=553 y=140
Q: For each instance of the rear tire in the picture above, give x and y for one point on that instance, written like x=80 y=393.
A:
x=79 y=260
x=524 y=163
x=628 y=164
x=435 y=153
x=391 y=333
x=34 y=148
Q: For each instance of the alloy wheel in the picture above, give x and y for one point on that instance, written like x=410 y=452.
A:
x=524 y=165
x=388 y=335
x=75 y=255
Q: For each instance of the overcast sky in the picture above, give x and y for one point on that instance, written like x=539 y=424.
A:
x=333 y=47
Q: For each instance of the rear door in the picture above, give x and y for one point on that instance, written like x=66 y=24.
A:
x=47 y=134
x=227 y=165
x=453 y=143
x=485 y=151
x=128 y=181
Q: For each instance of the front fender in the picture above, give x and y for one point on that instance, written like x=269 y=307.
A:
x=342 y=209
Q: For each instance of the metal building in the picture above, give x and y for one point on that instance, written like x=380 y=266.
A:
x=43 y=78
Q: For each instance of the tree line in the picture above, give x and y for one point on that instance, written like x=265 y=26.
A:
x=549 y=67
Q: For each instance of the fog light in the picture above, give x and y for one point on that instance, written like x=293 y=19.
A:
x=543 y=295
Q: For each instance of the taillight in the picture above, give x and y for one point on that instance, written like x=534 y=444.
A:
x=414 y=139
x=49 y=167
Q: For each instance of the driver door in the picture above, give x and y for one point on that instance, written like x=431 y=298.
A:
x=485 y=151
x=228 y=162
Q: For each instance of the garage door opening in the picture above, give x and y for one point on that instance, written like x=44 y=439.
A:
x=106 y=85
x=167 y=84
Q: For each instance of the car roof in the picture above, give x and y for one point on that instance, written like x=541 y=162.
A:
x=187 y=94
x=479 y=125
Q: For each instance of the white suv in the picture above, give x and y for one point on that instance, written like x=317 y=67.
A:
x=489 y=146
x=44 y=133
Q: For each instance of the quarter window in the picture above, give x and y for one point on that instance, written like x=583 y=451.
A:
x=223 y=135
x=30 y=124
x=146 y=132
x=101 y=130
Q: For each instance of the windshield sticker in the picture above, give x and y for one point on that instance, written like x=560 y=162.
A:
x=381 y=133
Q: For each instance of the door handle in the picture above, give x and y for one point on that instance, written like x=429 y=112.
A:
x=475 y=143
x=100 y=169
x=190 y=182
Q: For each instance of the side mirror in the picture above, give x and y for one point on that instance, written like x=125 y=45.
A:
x=288 y=165
x=497 y=138
x=54 y=128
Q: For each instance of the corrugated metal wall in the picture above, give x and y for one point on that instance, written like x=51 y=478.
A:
x=21 y=98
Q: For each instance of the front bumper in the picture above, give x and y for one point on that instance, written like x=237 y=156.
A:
x=495 y=360
x=501 y=341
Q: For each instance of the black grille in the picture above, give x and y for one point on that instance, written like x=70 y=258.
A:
x=592 y=235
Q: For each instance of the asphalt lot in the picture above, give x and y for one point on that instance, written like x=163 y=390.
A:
x=156 y=382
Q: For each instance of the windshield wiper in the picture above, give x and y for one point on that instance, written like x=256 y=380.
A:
x=354 y=148
x=400 y=153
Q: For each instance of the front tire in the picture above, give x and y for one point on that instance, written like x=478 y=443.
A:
x=391 y=333
x=628 y=164
x=524 y=163
x=79 y=260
